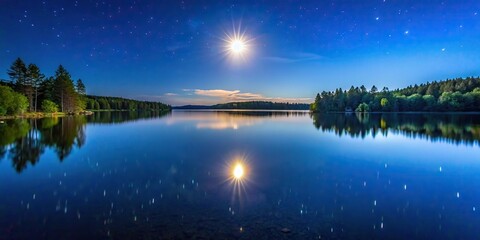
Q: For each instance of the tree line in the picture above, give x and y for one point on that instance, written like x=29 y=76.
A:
x=453 y=95
x=30 y=90
x=117 y=103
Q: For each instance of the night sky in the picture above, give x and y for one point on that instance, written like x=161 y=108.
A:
x=174 y=52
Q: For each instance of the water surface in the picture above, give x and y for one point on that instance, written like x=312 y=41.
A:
x=133 y=175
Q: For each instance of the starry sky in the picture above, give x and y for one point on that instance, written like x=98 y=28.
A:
x=174 y=51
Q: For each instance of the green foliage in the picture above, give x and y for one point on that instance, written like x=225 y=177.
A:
x=430 y=102
x=362 y=107
x=27 y=80
x=35 y=79
x=65 y=95
x=116 y=103
x=13 y=130
x=47 y=123
x=415 y=102
x=315 y=107
x=6 y=98
x=57 y=93
x=49 y=106
x=450 y=95
x=20 y=104
x=80 y=87
x=384 y=102
x=18 y=72
x=47 y=90
x=12 y=102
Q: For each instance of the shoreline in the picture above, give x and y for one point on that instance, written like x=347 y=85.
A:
x=38 y=115
x=406 y=112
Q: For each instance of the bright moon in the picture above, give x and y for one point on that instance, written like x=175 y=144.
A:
x=237 y=46
x=238 y=171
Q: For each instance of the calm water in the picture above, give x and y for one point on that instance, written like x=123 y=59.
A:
x=154 y=176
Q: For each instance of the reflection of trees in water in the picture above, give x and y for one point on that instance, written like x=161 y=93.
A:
x=64 y=135
x=10 y=132
x=26 y=150
x=24 y=141
x=455 y=128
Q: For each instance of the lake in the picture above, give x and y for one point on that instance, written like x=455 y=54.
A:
x=117 y=175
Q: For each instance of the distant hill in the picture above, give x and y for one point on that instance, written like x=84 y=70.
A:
x=254 y=105
x=193 y=107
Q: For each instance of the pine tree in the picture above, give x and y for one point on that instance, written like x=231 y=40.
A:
x=65 y=93
x=18 y=71
x=81 y=87
x=82 y=99
x=363 y=89
x=19 y=75
x=47 y=88
x=36 y=79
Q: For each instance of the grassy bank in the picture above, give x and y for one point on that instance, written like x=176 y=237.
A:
x=42 y=115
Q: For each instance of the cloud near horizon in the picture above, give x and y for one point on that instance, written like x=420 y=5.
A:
x=215 y=96
x=238 y=96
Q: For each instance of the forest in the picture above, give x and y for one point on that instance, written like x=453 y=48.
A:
x=117 y=103
x=29 y=90
x=452 y=95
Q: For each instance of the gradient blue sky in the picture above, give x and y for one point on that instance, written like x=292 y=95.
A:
x=173 y=51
